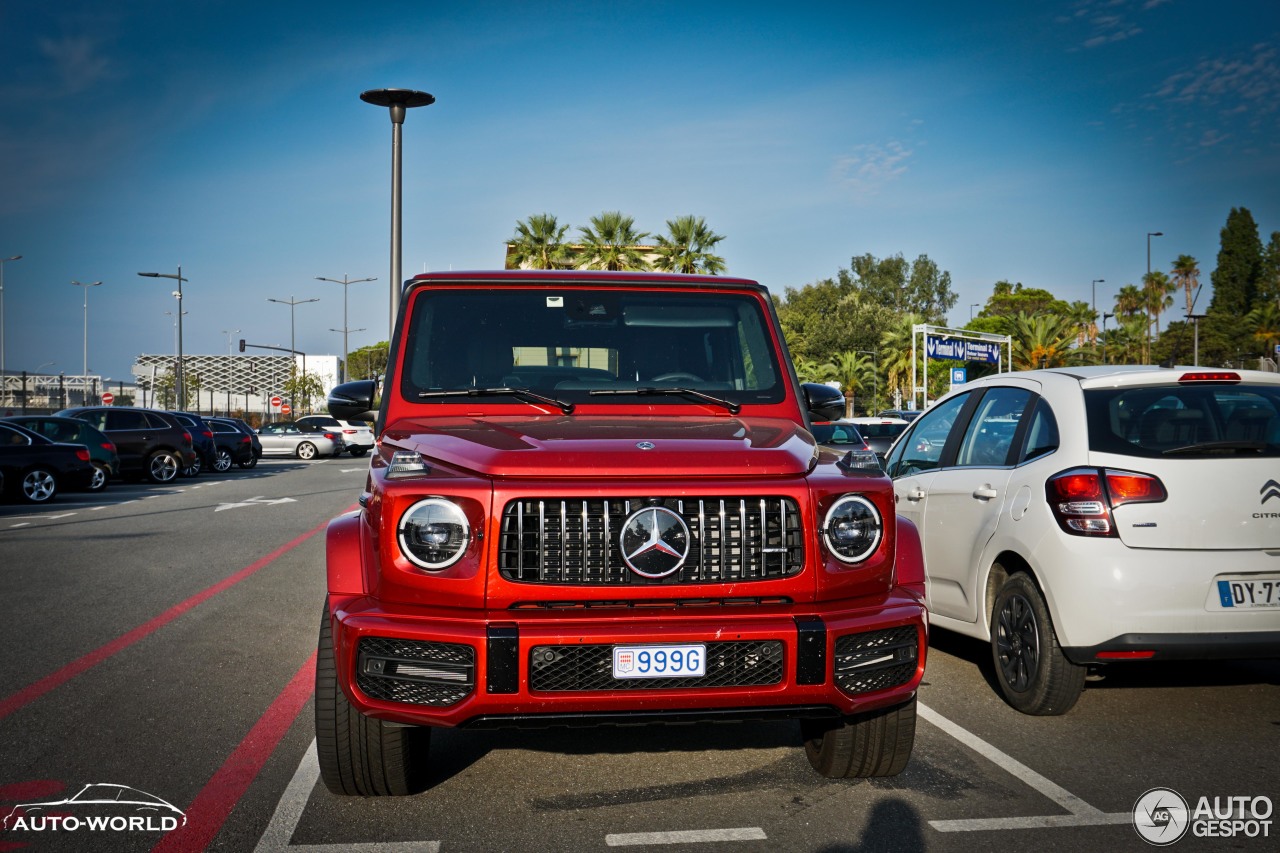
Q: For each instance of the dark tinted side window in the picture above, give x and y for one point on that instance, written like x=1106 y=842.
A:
x=921 y=450
x=1191 y=419
x=1042 y=433
x=157 y=421
x=991 y=431
x=126 y=419
x=95 y=418
x=12 y=438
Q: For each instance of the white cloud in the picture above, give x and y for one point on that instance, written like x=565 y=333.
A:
x=868 y=168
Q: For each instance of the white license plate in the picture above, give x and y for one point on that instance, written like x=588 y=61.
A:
x=1247 y=593
x=659 y=661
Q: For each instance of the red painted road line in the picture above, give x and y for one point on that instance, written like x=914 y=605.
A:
x=213 y=805
x=34 y=691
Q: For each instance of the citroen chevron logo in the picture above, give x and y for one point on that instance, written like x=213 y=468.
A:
x=1270 y=489
x=655 y=542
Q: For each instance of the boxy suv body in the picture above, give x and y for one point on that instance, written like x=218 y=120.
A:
x=1097 y=515
x=150 y=443
x=595 y=500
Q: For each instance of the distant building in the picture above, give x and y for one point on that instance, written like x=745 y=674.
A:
x=231 y=382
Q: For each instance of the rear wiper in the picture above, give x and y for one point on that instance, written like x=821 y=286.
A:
x=733 y=407
x=1210 y=446
x=523 y=393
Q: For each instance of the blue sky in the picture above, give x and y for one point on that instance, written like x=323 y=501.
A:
x=1030 y=141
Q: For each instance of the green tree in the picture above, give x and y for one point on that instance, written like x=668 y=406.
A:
x=1041 y=340
x=611 y=242
x=1264 y=323
x=855 y=373
x=1269 y=286
x=828 y=317
x=303 y=389
x=916 y=288
x=538 y=243
x=1157 y=296
x=1010 y=300
x=368 y=362
x=1186 y=274
x=896 y=343
x=688 y=247
x=1235 y=281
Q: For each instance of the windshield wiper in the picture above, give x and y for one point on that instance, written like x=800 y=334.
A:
x=1210 y=446
x=523 y=393
x=733 y=407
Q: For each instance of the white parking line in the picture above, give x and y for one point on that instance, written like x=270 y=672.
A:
x=1081 y=813
x=688 y=836
x=289 y=812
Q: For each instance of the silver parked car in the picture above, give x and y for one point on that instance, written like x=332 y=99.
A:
x=357 y=434
x=288 y=439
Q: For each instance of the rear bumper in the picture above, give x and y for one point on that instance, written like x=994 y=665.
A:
x=1219 y=646
x=424 y=666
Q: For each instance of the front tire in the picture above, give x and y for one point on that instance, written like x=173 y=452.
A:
x=877 y=743
x=38 y=486
x=359 y=755
x=163 y=466
x=1034 y=675
x=194 y=469
x=307 y=450
x=222 y=462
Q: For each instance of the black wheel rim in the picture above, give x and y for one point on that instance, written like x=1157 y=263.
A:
x=1017 y=643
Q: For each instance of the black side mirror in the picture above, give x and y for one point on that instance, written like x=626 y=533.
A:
x=823 y=402
x=353 y=401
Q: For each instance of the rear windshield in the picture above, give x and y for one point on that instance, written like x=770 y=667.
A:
x=1190 y=420
x=881 y=430
x=565 y=343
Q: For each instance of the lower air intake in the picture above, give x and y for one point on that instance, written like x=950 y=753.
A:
x=876 y=660
x=414 y=672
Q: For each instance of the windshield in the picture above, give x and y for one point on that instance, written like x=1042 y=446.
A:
x=569 y=342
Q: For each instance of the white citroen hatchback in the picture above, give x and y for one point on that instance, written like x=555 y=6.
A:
x=1083 y=516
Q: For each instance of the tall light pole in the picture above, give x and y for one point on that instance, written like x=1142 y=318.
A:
x=971 y=307
x=86 y=286
x=229 y=333
x=4 y=381
x=1105 y=317
x=182 y=384
x=344 y=282
x=397 y=101
x=1094 y=287
x=1151 y=234
x=292 y=303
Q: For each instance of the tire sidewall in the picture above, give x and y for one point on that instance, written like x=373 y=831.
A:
x=43 y=481
x=168 y=462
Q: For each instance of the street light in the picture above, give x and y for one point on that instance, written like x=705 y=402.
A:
x=229 y=333
x=4 y=382
x=1195 y=322
x=397 y=101
x=182 y=385
x=86 y=286
x=1151 y=234
x=293 y=346
x=971 y=307
x=1105 y=317
x=344 y=282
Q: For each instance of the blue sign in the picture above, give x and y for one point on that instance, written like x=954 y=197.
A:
x=955 y=349
x=959 y=375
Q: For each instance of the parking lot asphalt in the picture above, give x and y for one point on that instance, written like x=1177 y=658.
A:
x=163 y=638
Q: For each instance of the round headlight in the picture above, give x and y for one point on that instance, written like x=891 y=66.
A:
x=434 y=533
x=852 y=529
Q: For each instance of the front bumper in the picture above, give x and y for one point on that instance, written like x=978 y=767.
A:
x=425 y=666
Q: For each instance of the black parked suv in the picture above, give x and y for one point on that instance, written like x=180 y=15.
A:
x=254 y=442
x=231 y=446
x=151 y=443
x=34 y=467
x=201 y=440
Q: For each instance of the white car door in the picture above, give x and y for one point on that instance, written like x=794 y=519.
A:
x=964 y=502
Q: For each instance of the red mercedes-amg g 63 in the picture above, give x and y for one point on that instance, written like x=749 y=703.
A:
x=595 y=500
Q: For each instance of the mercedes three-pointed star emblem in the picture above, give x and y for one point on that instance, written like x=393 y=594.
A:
x=655 y=542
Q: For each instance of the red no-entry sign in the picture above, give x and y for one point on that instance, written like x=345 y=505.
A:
x=108 y=398
x=276 y=402
x=285 y=409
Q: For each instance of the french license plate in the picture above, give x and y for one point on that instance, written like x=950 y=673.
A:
x=1248 y=593
x=659 y=661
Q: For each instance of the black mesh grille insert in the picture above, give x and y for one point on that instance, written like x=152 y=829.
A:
x=415 y=672
x=576 y=540
x=736 y=664
x=876 y=660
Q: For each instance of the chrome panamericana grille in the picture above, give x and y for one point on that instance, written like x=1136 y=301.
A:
x=576 y=540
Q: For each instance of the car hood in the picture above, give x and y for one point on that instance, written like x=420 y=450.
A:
x=569 y=446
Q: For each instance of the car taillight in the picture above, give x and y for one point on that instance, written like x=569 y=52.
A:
x=244 y=439
x=330 y=436
x=208 y=434
x=1209 y=376
x=348 y=432
x=109 y=447
x=82 y=453
x=186 y=436
x=1082 y=499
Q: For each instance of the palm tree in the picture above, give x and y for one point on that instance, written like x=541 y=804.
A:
x=1131 y=302
x=895 y=356
x=1186 y=273
x=808 y=370
x=851 y=369
x=1265 y=323
x=1041 y=340
x=539 y=243
x=610 y=243
x=688 y=247
x=1082 y=316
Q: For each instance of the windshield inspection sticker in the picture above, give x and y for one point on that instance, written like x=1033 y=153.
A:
x=555 y=301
